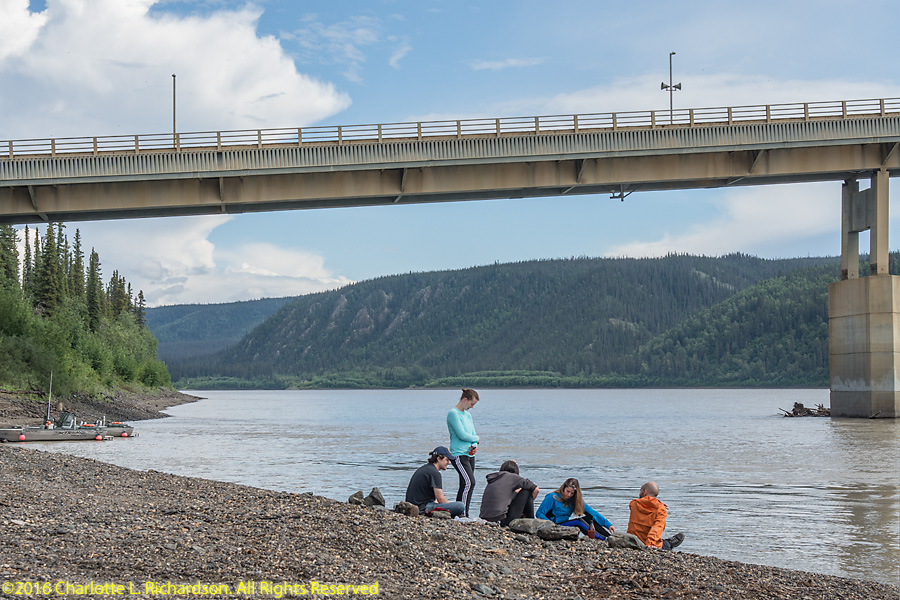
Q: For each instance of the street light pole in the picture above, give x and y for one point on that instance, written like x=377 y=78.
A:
x=174 y=135
x=671 y=88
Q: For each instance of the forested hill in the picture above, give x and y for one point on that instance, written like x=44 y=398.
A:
x=556 y=322
x=187 y=330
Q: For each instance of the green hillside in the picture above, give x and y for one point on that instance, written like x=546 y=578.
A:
x=188 y=330
x=554 y=322
x=57 y=316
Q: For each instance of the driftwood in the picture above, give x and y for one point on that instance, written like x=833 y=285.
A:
x=801 y=411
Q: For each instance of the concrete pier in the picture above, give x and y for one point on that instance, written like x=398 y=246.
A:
x=864 y=313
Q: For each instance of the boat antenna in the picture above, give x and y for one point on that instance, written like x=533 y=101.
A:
x=49 y=396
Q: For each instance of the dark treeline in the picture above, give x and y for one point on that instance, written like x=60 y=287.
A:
x=677 y=320
x=57 y=315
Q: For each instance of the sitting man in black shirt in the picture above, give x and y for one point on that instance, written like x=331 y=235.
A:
x=425 y=488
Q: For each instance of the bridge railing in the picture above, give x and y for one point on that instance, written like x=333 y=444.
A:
x=484 y=127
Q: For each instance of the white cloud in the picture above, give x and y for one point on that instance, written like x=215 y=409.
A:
x=174 y=262
x=19 y=27
x=758 y=221
x=339 y=43
x=496 y=65
x=397 y=55
x=699 y=91
x=105 y=67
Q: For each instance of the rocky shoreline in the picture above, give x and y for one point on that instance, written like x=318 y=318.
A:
x=78 y=522
x=123 y=405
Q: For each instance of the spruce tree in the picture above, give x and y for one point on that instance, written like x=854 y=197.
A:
x=140 y=310
x=76 y=273
x=48 y=283
x=9 y=256
x=28 y=266
x=94 y=292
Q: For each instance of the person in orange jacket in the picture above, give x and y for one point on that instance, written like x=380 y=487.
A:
x=648 y=519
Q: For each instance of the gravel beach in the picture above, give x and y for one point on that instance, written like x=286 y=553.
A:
x=73 y=522
x=81 y=528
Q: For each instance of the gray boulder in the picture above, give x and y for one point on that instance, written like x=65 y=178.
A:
x=558 y=532
x=356 y=499
x=531 y=526
x=374 y=498
x=482 y=589
x=407 y=508
x=625 y=540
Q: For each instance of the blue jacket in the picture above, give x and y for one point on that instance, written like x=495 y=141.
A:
x=462 y=431
x=553 y=509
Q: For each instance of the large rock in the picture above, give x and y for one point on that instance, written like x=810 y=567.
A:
x=407 y=508
x=356 y=499
x=374 y=498
x=531 y=526
x=625 y=540
x=558 y=532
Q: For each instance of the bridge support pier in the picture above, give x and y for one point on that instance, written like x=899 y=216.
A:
x=864 y=313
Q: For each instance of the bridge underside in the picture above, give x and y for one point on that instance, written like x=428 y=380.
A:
x=232 y=192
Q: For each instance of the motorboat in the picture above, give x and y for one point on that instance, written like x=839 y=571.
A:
x=65 y=429
x=117 y=429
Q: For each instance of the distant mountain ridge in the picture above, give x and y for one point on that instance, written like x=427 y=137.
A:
x=186 y=330
x=587 y=321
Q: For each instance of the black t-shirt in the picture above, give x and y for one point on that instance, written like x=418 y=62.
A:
x=421 y=485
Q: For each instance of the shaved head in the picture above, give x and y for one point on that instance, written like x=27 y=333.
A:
x=650 y=489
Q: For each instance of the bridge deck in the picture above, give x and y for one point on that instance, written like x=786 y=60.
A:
x=202 y=173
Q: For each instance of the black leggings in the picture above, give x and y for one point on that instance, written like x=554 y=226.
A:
x=521 y=506
x=465 y=467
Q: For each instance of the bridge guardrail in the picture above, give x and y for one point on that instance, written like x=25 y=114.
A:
x=486 y=127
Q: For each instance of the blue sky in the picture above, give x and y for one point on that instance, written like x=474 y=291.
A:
x=103 y=67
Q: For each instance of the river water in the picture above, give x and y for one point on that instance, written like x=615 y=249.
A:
x=742 y=482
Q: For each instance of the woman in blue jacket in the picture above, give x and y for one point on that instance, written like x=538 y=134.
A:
x=565 y=506
x=463 y=444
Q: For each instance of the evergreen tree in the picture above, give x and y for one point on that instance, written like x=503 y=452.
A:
x=64 y=258
x=28 y=266
x=9 y=256
x=76 y=273
x=94 y=292
x=117 y=295
x=48 y=283
x=140 y=310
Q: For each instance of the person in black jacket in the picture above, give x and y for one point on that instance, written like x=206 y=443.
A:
x=508 y=496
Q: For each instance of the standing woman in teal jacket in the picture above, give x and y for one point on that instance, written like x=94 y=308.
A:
x=463 y=444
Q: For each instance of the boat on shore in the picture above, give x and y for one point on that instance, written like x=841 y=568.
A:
x=65 y=429
x=118 y=429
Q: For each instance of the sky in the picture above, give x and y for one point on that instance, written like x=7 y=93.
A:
x=104 y=67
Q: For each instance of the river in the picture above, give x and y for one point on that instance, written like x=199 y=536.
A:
x=742 y=482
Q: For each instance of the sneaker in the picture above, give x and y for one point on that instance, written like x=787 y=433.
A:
x=676 y=540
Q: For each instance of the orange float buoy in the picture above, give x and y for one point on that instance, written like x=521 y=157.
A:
x=124 y=434
x=21 y=437
x=99 y=438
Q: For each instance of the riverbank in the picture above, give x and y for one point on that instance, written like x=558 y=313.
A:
x=124 y=405
x=72 y=520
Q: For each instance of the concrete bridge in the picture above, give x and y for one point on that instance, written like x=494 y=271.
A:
x=92 y=178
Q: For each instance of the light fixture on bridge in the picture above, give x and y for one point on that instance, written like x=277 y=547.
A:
x=670 y=87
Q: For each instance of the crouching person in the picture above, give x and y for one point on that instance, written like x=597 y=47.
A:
x=425 y=488
x=648 y=519
x=508 y=496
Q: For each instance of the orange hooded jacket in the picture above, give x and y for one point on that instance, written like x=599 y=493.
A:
x=648 y=520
